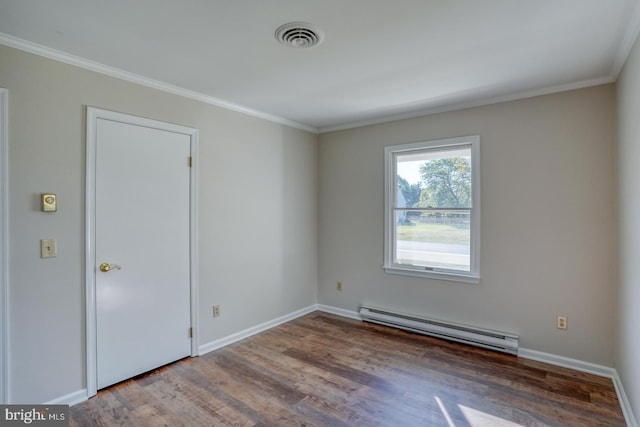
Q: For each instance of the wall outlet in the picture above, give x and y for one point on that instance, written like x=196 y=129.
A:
x=216 y=310
x=339 y=286
x=561 y=322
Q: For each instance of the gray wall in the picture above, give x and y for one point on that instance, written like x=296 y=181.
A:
x=628 y=355
x=257 y=210
x=549 y=219
x=549 y=222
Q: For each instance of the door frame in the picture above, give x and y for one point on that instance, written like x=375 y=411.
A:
x=93 y=115
x=4 y=246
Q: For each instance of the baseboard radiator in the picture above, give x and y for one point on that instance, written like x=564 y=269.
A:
x=494 y=340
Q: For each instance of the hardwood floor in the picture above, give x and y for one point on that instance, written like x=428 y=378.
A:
x=324 y=370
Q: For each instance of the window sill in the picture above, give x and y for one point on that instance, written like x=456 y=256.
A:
x=439 y=275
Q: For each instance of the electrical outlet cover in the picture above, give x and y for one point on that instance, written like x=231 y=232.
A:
x=48 y=248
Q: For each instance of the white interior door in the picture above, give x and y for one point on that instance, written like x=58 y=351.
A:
x=142 y=235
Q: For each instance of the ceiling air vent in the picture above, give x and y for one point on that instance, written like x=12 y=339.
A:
x=299 y=35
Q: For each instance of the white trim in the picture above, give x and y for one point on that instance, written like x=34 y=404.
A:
x=57 y=55
x=339 y=311
x=590 y=368
x=552 y=359
x=70 y=399
x=90 y=257
x=93 y=114
x=87 y=64
x=193 y=241
x=223 y=342
x=449 y=277
x=566 y=362
x=390 y=201
x=4 y=246
x=624 y=401
x=462 y=105
x=629 y=38
x=578 y=365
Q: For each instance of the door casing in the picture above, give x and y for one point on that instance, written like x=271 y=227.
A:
x=4 y=247
x=93 y=115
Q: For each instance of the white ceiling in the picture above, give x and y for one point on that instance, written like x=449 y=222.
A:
x=380 y=59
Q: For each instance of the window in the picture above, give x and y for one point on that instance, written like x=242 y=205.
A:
x=432 y=209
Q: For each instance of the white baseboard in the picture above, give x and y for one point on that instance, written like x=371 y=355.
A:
x=552 y=359
x=566 y=362
x=222 y=342
x=70 y=399
x=339 y=311
x=624 y=401
x=591 y=368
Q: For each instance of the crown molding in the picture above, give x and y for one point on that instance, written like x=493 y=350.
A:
x=630 y=35
x=57 y=55
x=469 y=104
x=629 y=38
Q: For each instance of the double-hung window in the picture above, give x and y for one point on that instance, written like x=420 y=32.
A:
x=432 y=209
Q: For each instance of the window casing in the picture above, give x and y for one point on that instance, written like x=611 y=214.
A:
x=432 y=209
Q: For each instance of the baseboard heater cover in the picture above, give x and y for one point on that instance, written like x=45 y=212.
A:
x=485 y=338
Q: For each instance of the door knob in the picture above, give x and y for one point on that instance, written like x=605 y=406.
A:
x=105 y=267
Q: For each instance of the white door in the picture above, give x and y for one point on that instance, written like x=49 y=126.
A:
x=142 y=240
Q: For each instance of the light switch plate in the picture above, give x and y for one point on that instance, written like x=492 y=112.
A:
x=48 y=248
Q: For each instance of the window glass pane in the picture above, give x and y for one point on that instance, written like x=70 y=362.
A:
x=434 y=178
x=438 y=239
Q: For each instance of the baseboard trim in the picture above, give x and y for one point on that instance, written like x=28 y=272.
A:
x=339 y=311
x=70 y=399
x=591 y=368
x=552 y=359
x=624 y=401
x=222 y=342
x=566 y=362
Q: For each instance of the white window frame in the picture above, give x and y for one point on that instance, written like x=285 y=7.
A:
x=390 y=152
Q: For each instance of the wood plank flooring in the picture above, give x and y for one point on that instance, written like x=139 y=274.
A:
x=324 y=370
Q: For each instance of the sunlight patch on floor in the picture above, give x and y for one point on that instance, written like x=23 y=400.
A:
x=445 y=412
x=482 y=419
x=475 y=418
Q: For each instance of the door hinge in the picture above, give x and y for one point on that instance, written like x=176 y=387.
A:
x=190 y=161
x=191 y=332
